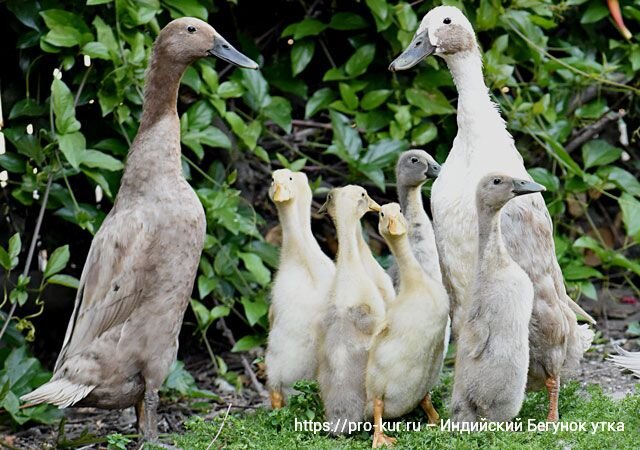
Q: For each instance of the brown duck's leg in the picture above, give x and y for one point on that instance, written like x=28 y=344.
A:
x=429 y=410
x=140 y=415
x=150 y=430
x=277 y=400
x=379 y=438
x=553 y=388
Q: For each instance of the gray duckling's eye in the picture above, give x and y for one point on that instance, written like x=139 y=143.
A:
x=446 y=21
x=290 y=178
x=414 y=160
x=191 y=29
x=497 y=180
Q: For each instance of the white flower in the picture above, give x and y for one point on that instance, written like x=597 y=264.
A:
x=98 y=194
x=30 y=128
x=87 y=60
x=36 y=195
x=57 y=74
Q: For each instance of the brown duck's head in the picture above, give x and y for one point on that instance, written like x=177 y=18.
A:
x=443 y=31
x=188 y=39
x=414 y=167
x=496 y=189
x=392 y=222
x=351 y=200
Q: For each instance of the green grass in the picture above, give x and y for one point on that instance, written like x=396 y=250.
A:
x=267 y=430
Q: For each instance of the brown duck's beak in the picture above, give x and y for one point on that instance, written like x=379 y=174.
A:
x=373 y=206
x=281 y=193
x=225 y=51
x=616 y=14
x=522 y=187
x=396 y=227
x=418 y=50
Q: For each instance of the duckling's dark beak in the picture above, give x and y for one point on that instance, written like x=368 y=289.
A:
x=225 y=51
x=418 y=50
x=522 y=187
x=434 y=170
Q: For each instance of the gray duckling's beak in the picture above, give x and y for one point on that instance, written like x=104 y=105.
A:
x=434 y=170
x=418 y=50
x=522 y=187
x=225 y=51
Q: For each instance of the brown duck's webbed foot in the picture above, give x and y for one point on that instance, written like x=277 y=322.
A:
x=147 y=414
x=553 y=388
x=277 y=400
x=379 y=438
x=432 y=415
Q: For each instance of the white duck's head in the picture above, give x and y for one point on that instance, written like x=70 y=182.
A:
x=444 y=31
x=391 y=222
x=496 y=189
x=188 y=39
x=348 y=201
x=287 y=185
x=414 y=167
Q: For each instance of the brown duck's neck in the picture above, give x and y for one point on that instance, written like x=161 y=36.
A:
x=161 y=89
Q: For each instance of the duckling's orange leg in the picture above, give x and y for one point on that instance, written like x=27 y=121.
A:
x=379 y=438
x=553 y=388
x=429 y=410
x=277 y=400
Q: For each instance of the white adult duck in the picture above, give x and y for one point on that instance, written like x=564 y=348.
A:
x=483 y=145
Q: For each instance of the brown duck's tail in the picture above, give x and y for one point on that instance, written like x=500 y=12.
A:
x=62 y=393
x=578 y=310
x=627 y=360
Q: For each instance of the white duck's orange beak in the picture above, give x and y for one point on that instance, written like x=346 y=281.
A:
x=396 y=226
x=281 y=193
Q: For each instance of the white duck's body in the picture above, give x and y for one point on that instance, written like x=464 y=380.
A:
x=406 y=357
x=298 y=296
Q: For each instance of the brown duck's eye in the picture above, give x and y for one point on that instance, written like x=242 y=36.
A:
x=446 y=21
x=497 y=181
x=191 y=29
x=414 y=160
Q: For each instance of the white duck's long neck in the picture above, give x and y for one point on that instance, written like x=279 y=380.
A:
x=491 y=249
x=408 y=266
x=304 y=214
x=293 y=236
x=476 y=112
x=347 y=230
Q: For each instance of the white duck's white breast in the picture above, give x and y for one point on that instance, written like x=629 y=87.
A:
x=453 y=199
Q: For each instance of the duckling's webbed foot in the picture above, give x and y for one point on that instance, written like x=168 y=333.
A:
x=147 y=414
x=553 y=388
x=277 y=400
x=379 y=438
x=426 y=405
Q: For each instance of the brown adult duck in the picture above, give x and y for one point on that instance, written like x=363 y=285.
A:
x=123 y=334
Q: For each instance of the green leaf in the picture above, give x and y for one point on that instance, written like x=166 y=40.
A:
x=188 y=8
x=96 y=50
x=347 y=21
x=247 y=343
x=66 y=27
x=384 y=152
x=432 y=102
x=64 y=280
x=624 y=180
x=599 y=153
x=57 y=261
x=357 y=64
x=348 y=95
x=406 y=17
x=97 y=2
x=5 y=259
x=596 y=11
x=27 y=107
x=319 y=100
x=257 y=88
x=15 y=245
x=373 y=99
x=488 y=14
x=63 y=108
x=424 y=133
x=346 y=139
x=630 y=215
x=230 y=89
x=301 y=54
x=254 y=264
x=307 y=27
x=206 y=285
x=254 y=309
x=379 y=8
x=73 y=147
x=279 y=110
x=99 y=160
x=545 y=178
x=575 y=272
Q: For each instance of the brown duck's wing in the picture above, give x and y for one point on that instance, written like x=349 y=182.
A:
x=112 y=280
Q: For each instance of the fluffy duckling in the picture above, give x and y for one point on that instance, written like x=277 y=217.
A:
x=493 y=349
x=413 y=169
x=406 y=356
x=299 y=290
x=135 y=286
x=378 y=275
x=355 y=314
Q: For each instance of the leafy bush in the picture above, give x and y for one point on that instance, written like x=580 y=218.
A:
x=323 y=102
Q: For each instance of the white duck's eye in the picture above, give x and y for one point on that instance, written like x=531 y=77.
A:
x=191 y=29
x=363 y=195
x=290 y=178
x=446 y=21
x=497 y=181
x=414 y=160
x=381 y=214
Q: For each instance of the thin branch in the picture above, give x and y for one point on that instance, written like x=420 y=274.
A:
x=224 y=420
x=591 y=130
x=32 y=248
